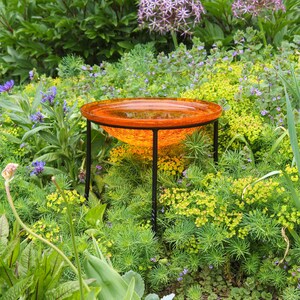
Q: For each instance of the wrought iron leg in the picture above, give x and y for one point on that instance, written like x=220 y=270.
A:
x=88 y=159
x=154 y=180
x=216 y=137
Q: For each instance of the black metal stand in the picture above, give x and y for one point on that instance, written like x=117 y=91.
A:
x=154 y=160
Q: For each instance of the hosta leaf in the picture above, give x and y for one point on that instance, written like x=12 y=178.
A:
x=130 y=290
x=139 y=285
x=152 y=297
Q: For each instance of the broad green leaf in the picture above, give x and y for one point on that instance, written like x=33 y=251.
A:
x=56 y=263
x=4 y=230
x=52 y=171
x=139 y=285
x=37 y=98
x=125 y=44
x=10 y=250
x=34 y=131
x=10 y=106
x=49 y=157
x=130 y=290
x=95 y=214
x=19 y=119
x=152 y=297
x=7 y=273
x=49 y=138
x=27 y=261
x=64 y=290
x=17 y=291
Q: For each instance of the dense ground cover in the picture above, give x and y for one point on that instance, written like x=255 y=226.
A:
x=225 y=231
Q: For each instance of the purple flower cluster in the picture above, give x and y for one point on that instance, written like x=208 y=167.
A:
x=170 y=15
x=38 y=167
x=255 y=7
x=182 y=274
x=37 y=117
x=7 y=86
x=49 y=96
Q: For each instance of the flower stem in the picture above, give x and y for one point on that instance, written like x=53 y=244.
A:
x=174 y=38
x=69 y=213
x=28 y=230
x=261 y=28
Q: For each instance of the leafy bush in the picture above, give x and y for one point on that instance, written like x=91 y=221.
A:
x=39 y=33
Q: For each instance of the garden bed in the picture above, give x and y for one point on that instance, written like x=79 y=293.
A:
x=225 y=231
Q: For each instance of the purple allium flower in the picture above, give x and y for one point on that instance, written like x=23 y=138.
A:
x=37 y=117
x=255 y=7
x=7 y=86
x=169 y=16
x=263 y=112
x=49 y=96
x=38 y=167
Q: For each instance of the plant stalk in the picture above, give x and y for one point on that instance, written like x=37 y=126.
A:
x=69 y=213
x=28 y=230
x=174 y=38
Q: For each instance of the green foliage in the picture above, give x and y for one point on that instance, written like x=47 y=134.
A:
x=27 y=270
x=70 y=66
x=220 y=227
x=37 y=34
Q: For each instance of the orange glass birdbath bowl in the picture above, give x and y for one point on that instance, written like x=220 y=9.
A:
x=149 y=122
x=129 y=120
